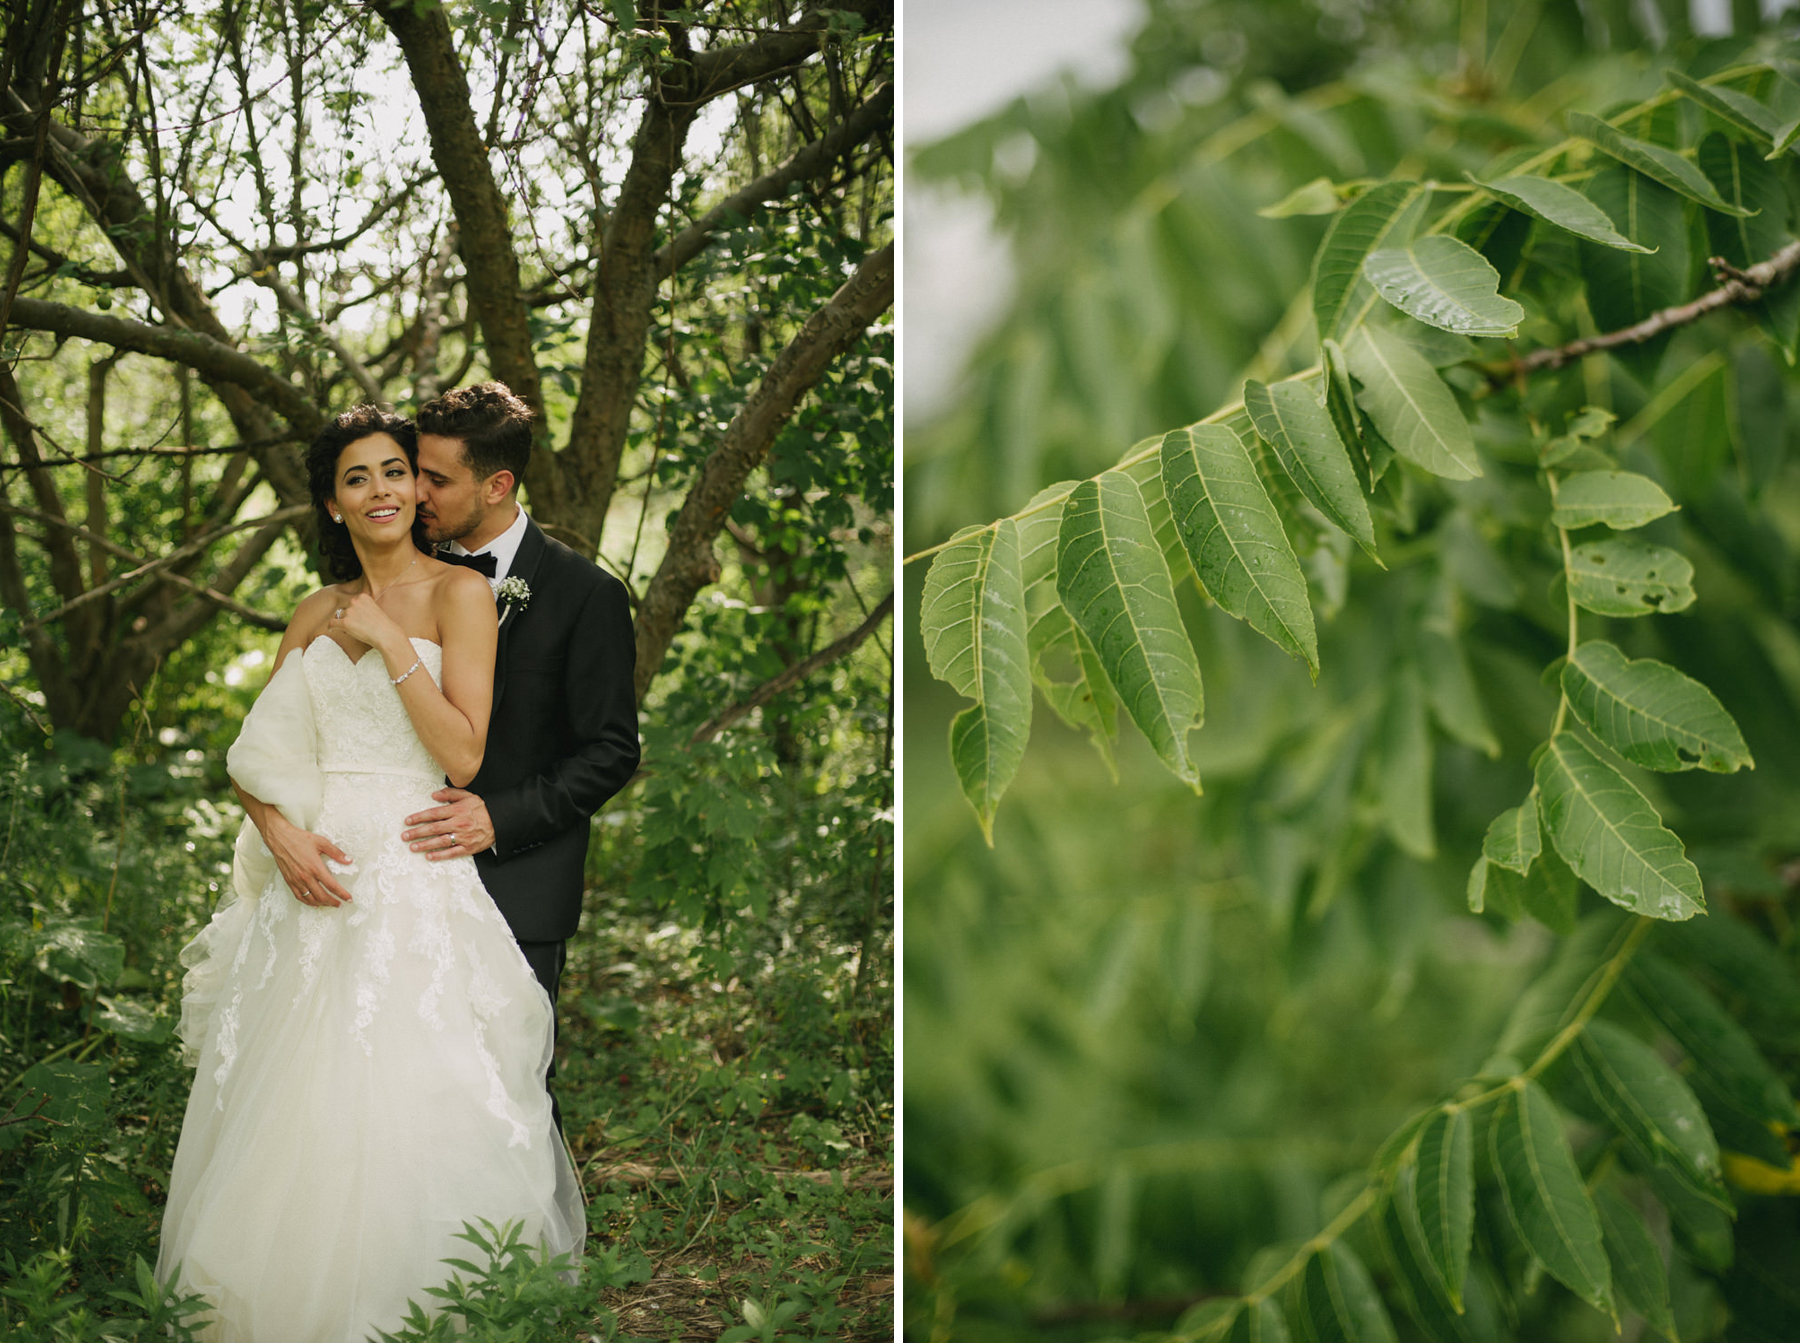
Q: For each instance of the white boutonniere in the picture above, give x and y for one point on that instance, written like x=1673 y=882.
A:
x=514 y=591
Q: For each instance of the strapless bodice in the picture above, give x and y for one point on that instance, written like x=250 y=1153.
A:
x=362 y=725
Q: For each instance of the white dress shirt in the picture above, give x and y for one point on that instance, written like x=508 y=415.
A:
x=504 y=548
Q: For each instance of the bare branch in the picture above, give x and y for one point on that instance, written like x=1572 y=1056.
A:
x=793 y=675
x=265 y=274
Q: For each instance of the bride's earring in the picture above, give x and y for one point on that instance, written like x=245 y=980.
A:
x=334 y=515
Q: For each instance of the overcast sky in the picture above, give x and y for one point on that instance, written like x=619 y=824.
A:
x=960 y=60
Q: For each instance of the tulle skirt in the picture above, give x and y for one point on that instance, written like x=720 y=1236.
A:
x=368 y=1079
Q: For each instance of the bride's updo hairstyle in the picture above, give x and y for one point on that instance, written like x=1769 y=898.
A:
x=335 y=547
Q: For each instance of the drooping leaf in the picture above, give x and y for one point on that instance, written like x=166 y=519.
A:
x=1317 y=197
x=1450 y=686
x=1650 y=713
x=1545 y=1196
x=1702 y=1228
x=1731 y=105
x=1727 y=1067
x=1420 y=1291
x=1785 y=137
x=1360 y=228
x=1562 y=206
x=1410 y=405
x=1628 y=577
x=1340 y=404
x=1512 y=838
x=1259 y=1322
x=1620 y=499
x=1112 y=579
x=1610 y=834
x=1756 y=979
x=974 y=623
x=1637 y=1265
x=1443 y=1197
x=76 y=951
x=1334 y=1300
x=1653 y=161
x=1649 y=1104
x=1548 y=891
x=1064 y=665
x=1291 y=419
x=1444 y=283
x=1234 y=538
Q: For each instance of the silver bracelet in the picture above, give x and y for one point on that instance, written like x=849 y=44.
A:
x=409 y=671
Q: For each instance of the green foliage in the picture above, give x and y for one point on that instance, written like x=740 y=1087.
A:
x=1571 y=675
x=515 y=1295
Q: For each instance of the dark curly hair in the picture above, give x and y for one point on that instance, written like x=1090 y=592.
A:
x=493 y=424
x=322 y=456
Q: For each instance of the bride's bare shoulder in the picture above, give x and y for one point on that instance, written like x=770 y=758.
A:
x=309 y=620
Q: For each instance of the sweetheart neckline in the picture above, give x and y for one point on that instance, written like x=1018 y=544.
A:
x=364 y=655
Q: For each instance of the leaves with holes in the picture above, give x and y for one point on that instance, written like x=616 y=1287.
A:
x=1619 y=499
x=1513 y=840
x=1360 y=228
x=1334 y=1300
x=1545 y=1195
x=1290 y=418
x=1653 y=161
x=1233 y=537
x=1628 y=577
x=1562 y=206
x=1610 y=834
x=1650 y=713
x=1410 y=405
x=973 y=621
x=1445 y=283
x=1442 y=1197
x=1731 y=105
x=1651 y=1106
x=1637 y=1266
x=1112 y=578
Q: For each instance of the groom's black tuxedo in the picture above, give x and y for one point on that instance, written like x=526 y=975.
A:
x=563 y=735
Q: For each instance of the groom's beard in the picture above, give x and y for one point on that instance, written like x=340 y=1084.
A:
x=440 y=530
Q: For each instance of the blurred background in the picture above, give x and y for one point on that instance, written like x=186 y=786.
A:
x=1149 y=1033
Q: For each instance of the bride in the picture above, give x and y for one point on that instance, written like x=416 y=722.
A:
x=371 y=1048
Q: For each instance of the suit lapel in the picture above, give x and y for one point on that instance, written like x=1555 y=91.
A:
x=525 y=566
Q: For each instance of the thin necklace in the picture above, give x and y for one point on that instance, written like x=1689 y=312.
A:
x=397 y=577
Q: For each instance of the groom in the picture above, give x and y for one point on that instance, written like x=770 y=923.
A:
x=563 y=735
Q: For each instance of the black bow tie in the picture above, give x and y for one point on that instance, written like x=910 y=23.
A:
x=483 y=564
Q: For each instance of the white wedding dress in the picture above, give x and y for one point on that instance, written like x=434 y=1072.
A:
x=369 y=1077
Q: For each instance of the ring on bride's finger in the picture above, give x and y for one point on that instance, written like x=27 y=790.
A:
x=339 y=613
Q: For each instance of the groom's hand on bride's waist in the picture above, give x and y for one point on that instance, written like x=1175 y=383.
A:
x=455 y=830
x=300 y=857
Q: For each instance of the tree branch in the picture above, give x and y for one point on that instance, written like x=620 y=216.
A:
x=689 y=564
x=810 y=161
x=793 y=675
x=211 y=358
x=1739 y=286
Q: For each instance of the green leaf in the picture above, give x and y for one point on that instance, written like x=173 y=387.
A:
x=1340 y=403
x=1291 y=419
x=1210 y=1321
x=1650 y=713
x=973 y=622
x=1334 y=1300
x=1626 y=287
x=76 y=952
x=1234 y=539
x=1728 y=1069
x=1620 y=499
x=1637 y=1266
x=1450 y=688
x=1512 y=838
x=1317 y=197
x=1404 y=778
x=1475 y=890
x=1730 y=105
x=1649 y=1104
x=132 y=1019
x=1444 y=283
x=1443 y=1197
x=1112 y=578
x=1259 y=1322
x=1562 y=206
x=1410 y=405
x=1081 y=696
x=1610 y=834
x=1785 y=137
x=1548 y=892
x=1628 y=577
x=1360 y=228
x=1420 y=1291
x=1661 y=165
x=1545 y=1196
